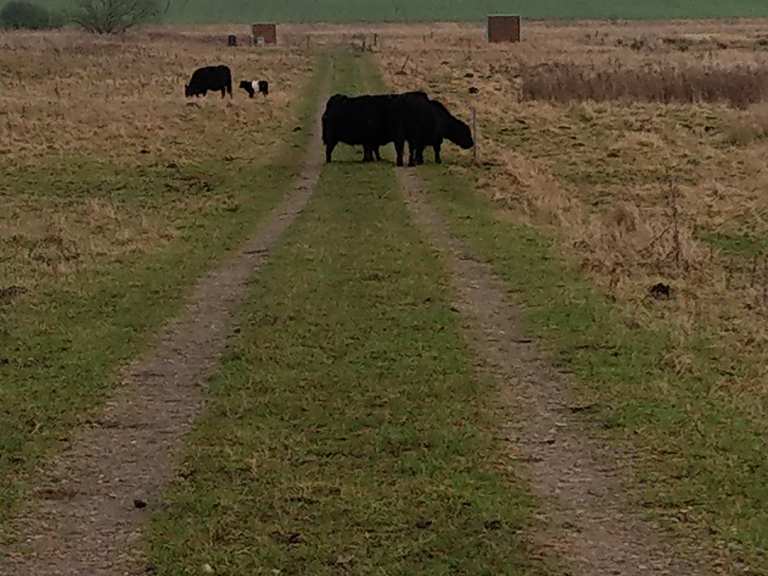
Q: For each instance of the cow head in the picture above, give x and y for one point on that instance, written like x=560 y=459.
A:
x=247 y=85
x=461 y=135
x=187 y=90
x=455 y=130
x=334 y=101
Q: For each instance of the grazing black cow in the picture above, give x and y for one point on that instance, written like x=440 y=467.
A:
x=213 y=78
x=423 y=122
x=376 y=120
x=413 y=122
x=450 y=128
x=358 y=120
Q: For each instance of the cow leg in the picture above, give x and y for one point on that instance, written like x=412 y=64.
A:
x=438 y=160
x=420 y=155
x=367 y=154
x=329 y=152
x=411 y=154
x=376 y=153
x=399 y=145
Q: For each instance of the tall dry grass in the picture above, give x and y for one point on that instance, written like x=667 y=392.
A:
x=737 y=86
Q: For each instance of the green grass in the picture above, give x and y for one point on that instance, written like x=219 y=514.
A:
x=247 y=11
x=345 y=431
x=701 y=459
x=400 y=10
x=60 y=348
x=735 y=244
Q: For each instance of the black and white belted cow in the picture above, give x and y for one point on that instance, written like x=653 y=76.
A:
x=252 y=87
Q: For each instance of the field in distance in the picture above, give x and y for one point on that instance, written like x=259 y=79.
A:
x=202 y=11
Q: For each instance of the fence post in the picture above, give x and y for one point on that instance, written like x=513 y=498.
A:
x=765 y=282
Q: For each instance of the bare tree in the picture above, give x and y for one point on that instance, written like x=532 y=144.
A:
x=113 y=16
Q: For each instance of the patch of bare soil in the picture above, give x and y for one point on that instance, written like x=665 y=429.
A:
x=92 y=500
x=586 y=522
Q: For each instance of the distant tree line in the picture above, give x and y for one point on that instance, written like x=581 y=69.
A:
x=18 y=14
x=96 y=16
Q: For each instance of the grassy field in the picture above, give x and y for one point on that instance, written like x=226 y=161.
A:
x=345 y=432
x=116 y=195
x=455 y=10
x=243 y=11
x=598 y=202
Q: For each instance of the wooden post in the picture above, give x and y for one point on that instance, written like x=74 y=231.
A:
x=402 y=68
x=754 y=267
x=503 y=28
x=765 y=282
x=676 y=226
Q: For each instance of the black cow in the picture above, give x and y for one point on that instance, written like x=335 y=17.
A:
x=376 y=120
x=213 y=78
x=413 y=122
x=424 y=122
x=450 y=128
x=358 y=120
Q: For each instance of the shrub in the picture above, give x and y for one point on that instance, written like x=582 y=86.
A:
x=23 y=14
x=114 y=16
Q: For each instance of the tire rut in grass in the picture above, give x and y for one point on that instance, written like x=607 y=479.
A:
x=585 y=519
x=92 y=501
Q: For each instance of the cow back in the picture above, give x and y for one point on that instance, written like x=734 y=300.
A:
x=211 y=78
x=356 y=120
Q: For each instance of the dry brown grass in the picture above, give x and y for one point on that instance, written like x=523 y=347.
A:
x=103 y=157
x=637 y=192
x=123 y=100
x=738 y=86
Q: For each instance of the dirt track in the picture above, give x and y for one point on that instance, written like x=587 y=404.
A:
x=93 y=499
x=585 y=520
